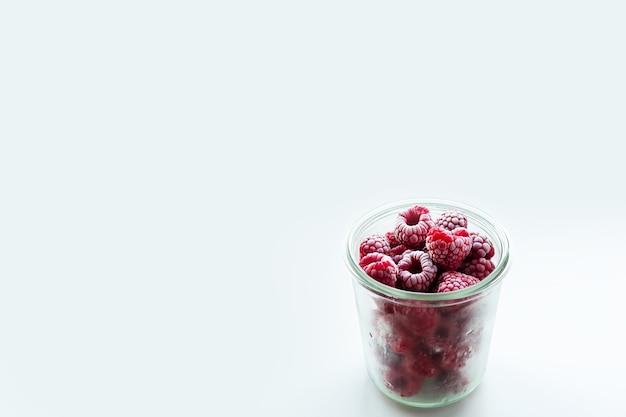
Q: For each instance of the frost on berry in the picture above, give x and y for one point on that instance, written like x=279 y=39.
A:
x=380 y=267
x=453 y=358
x=417 y=272
x=412 y=226
x=403 y=383
x=452 y=382
x=450 y=220
x=482 y=247
x=421 y=363
x=453 y=281
x=374 y=243
x=417 y=318
x=398 y=252
x=477 y=267
x=392 y=239
x=448 y=248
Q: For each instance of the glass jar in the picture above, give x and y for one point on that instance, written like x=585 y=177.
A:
x=426 y=349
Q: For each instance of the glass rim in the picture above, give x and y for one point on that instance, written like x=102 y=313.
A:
x=486 y=222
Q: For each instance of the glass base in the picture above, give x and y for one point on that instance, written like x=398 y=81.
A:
x=428 y=400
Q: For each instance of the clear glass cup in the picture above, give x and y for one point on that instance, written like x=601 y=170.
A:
x=426 y=349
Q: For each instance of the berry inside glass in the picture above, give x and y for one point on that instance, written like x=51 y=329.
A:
x=427 y=275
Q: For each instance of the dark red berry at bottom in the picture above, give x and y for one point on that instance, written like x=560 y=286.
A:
x=452 y=382
x=402 y=383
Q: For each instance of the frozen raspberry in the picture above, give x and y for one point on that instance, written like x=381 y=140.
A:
x=445 y=337
x=412 y=226
x=384 y=306
x=392 y=334
x=413 y=322
x=481 y=246
x=453 y=280
x=452 y=381
x=450 y=220
x=454 y=357
x=477 y=267
x=374 y=243
x=397 y=252
x=420 y=321
x=380 y=267
x=387 y=358
x=392 y=239
x=403 y=383
x=417 y=271
x=399 y=343
x=448 y=247
x=420 y=363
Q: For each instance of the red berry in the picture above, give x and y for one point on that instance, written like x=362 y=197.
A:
x=412 y=226
x=380 y=267
x=392 y=239
x=374 y=243
x=445 y=337
x=421 y=363
x=419 y=321
x=448 y=247
x=453 y=280
x=399 y=343
x=397 y=252
x=405 y=384
x=417 y=271
x=477 y=267
x=454 y=358
x=450 y=220
x=452 y=381
x=482 y=247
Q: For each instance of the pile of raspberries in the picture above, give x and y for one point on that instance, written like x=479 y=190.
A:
x=425 y=255
x=423 y=348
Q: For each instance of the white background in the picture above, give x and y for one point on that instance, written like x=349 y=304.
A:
x=177 y=179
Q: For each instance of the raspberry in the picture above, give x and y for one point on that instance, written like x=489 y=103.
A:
x=380 y=267
x=477 y=267
x=392 y=334
x=403 y=383
x=454 y=358
x=397 y=252
x=453 y=280
x=399 y=343
x=447 y=334
x=450 y=220
x=448 y=247
x=416 y=321
x=412 y=226
x=481 y=246
x=417 y=271
x=386 y=357
x=421 y=363
x=392 y=239
x=374 y=243
x=452 y=381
